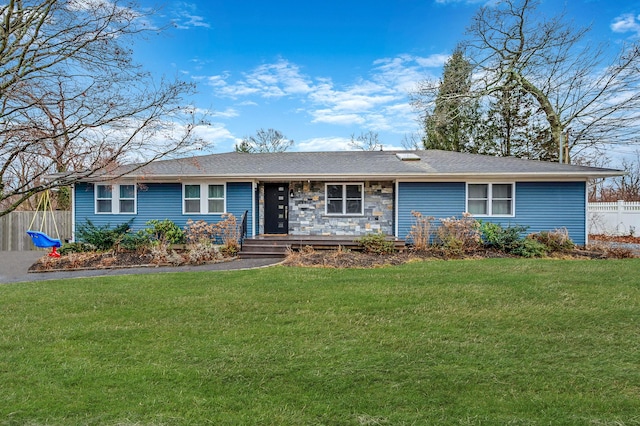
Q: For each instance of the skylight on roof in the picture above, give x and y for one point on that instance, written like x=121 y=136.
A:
x=407 y=156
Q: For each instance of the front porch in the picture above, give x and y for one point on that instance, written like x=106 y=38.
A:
x=312 y=208
x=277 y=245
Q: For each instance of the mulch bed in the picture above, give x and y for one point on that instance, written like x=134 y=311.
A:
x=626 y=239
x=345 y=259
x=320 y=258
x=111 y=260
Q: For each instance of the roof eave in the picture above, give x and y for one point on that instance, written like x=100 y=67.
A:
x=463 y=176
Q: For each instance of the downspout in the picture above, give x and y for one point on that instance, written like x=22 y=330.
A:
x=73 y=213
x=395 y=208
x=586 y=213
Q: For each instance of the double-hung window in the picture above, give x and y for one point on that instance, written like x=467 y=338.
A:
x=490 y=199
x=204 y=198
x=115 y=199
x=344 y=199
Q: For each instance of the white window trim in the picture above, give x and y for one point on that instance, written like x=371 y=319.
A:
x=204 y=198
x=344 y=198
x=490 y=198
x=115 y=198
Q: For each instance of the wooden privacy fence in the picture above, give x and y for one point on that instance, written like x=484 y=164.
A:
x=617 y=218
x=14 y=226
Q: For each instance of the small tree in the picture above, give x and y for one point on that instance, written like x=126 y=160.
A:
x=368 y=141
x=269 y=140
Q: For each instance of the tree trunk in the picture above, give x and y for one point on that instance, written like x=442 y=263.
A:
x=555 y=124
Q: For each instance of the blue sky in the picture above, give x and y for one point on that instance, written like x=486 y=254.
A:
x=322 y=71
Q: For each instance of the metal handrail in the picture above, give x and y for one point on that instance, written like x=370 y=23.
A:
x=243 y=227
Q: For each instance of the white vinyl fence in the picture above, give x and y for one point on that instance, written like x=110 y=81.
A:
x=14 y=227
x=618 y=218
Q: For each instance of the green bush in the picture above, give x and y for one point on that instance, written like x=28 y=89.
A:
x=77 y=247
x=376 y=244
x=503 y=239
x=164 y=232
x=529 y=248
x=510 y=240
x=102 y=237
x=135 y=241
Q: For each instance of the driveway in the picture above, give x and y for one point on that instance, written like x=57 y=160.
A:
x=14 y=266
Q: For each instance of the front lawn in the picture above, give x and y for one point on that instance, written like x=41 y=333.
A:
x=497 y=341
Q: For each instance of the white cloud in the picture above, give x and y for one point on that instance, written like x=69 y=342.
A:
x=433 y=61
x=216 y=134
x=185 y=16
x=268 y=81
x=108 y=8
x=404 y=71
x=626 y=23
x=227 y=113
x=329 y=116
x=377 y=102
x=84 y=5
x=325 y=144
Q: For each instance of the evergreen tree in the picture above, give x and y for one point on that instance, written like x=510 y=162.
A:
x=512 y=127
x=451 y=125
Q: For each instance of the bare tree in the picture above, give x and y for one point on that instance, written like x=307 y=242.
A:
x=412 y=141
x=566 y=73
x=626 y=187
x=368 y=141
x=269 y=140
x=73 y=102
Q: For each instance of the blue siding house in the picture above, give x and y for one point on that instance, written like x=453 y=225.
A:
x=341 y=193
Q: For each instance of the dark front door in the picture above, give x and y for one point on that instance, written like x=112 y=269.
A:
x=276 y=208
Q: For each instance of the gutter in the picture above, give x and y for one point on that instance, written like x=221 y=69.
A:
x=418 y=177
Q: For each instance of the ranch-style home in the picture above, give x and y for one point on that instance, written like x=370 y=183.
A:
x=347 y=193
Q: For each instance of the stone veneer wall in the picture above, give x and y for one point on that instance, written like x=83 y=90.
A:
x=307 y=211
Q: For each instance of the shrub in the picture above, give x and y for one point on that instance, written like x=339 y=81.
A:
x=619 y=253
x=529 y=248
x=162 y=255
x=135 y=241
x=104 y=237
x=555 y=241
x=503 y=239
x=229 y=232
x=511 y=240
x=420 y=233
x=77 y=247
x=376 y=244
x=457 y=236
x=164 y=232
x=199 y=233
x=201 y=252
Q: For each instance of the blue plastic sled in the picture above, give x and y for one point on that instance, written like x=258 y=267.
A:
x=40 y=239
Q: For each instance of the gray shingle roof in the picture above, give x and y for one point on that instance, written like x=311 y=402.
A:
x=432 y=164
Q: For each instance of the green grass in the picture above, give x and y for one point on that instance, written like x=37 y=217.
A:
x=521 y=342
